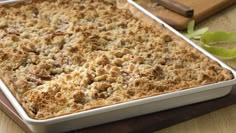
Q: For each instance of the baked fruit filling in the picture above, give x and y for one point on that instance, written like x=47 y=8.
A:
x=66 y=56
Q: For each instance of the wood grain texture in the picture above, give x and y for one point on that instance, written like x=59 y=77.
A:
x=221 y=121
x=7 y=125
x=202 y=10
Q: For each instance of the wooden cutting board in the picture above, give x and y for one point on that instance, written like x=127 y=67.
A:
x=146 y=123
x=202 y=10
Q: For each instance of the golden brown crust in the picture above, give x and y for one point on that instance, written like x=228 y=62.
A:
x=65 y=56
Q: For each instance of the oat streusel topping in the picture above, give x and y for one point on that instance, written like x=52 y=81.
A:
x=66 y=56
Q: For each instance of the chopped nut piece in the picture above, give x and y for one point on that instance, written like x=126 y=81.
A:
x=117 y=62
x=100 y=78
x=102 y=60
x=139 y=60
x=79 y=97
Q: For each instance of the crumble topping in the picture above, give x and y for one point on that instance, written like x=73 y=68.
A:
x=66 y=56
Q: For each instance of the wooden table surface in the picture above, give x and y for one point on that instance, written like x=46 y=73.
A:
x=220 y=121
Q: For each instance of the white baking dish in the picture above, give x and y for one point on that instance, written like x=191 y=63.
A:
x=127 y=109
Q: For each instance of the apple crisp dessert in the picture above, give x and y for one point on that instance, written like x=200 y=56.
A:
x=64 y=56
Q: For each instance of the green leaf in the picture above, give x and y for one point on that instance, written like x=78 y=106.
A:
x=190 y=28
x=197 y=37
x=198 y=33
x=223 y=53
x=215 y=37
x=209 y=38
x=191 y=34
